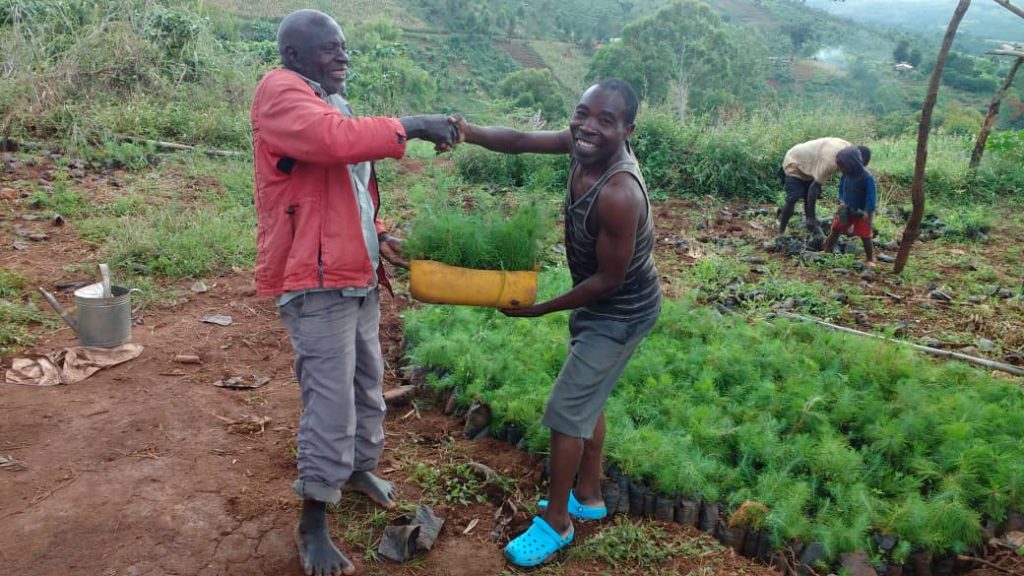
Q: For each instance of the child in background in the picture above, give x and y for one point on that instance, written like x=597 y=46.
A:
x=857 y=199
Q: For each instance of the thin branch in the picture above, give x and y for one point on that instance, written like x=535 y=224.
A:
x=992 y=364
x=1006 y=4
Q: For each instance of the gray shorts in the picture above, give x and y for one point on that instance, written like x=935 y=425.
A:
x=599 y=349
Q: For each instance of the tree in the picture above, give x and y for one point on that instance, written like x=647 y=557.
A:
x=800 y=34
x=534 y=88
x=914 y=57
x=923 y=130
x=993 y=113
x=902 y=51
x=684 y=49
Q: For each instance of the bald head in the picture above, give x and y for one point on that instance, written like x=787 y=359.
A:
x=312 y=44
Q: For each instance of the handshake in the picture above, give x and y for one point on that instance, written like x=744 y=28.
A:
x=444 y=131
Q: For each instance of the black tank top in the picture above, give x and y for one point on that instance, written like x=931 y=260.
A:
x=640 y=293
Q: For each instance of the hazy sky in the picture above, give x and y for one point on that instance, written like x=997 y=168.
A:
x=985 y=18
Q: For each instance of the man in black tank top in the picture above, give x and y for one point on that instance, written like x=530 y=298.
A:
x=615 y=298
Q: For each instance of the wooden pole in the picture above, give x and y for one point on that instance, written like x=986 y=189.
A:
x=993 y=113
x=926 y=349
x=923 y=131
x=182 y=147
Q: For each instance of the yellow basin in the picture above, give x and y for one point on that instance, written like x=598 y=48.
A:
x=438 y=283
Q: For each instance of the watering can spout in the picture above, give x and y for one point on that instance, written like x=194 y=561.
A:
x=60 y=309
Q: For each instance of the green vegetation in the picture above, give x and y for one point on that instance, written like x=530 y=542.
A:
x=482 y=236
x=683 y=49
x=16 y=318
x=157 y=228
x=838 y=436
x=535 y=90
x=156 y=70
x=639 y=545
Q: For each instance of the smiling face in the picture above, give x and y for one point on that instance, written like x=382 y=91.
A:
x=598 y=126
x=316 y=49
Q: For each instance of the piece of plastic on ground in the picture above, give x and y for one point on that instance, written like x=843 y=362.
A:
x=68 y=365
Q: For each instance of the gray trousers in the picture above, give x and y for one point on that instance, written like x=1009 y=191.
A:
x=340 y=370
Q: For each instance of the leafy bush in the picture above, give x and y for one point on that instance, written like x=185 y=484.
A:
x=540 y=173
x=534 y=89
x=87 y=70
x=838 y=436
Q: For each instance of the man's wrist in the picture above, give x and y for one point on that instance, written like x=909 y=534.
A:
x=413 y=126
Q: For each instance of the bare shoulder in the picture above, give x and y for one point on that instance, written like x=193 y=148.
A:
x=623 y=191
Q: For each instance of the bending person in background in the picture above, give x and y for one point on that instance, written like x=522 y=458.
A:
x=807 y=167
x=858 y=197
x=615 y=298
x=319 y=250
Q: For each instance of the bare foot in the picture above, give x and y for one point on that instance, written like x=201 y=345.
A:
x=317 y=553
x=377 y=489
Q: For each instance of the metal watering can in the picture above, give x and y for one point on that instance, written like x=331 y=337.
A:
x=104 y=312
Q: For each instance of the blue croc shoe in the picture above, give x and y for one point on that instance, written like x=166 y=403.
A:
x=579 y=510
x=536 y=545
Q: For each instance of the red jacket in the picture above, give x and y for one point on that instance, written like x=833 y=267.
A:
x=308 y=229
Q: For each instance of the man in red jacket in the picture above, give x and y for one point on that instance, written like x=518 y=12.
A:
x=319 y=245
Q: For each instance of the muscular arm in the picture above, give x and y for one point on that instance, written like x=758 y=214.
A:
x=510 y=141
x=619 y=210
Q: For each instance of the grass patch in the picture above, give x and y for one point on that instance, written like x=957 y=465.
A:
x=626 y=544
x=17 y=313
x=190 y=218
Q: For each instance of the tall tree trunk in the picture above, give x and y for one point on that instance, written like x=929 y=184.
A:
x=993 y=113
x=684 y=96
x=923 y=130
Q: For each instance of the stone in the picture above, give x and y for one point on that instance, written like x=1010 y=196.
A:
x=976 y=299
x=932 y=342
x=840 y=297
x=886 y=258
x=857 y=564
x=218 y=319
x=1005 y=293
x=199 y=287
x=768 y=246
x=985 y=344
x=761 y=270
x=940 y=296
x=811 y=257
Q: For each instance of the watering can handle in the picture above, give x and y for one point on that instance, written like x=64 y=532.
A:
x=60 y=309
x=105 y=280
